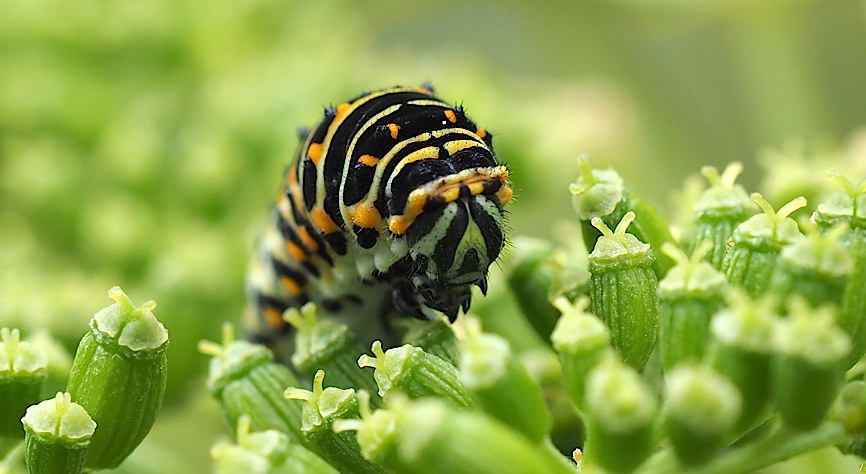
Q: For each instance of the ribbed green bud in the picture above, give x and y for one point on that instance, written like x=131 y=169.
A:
x=623 y=288
x=431 y=437
x=689 y=295
x=718 y=211
x=700 y=409
x=581 y=340
x=57 y=434
x=411 y=371
x=756 y=243
x=849 y=409
x=265 y=452
x=119 y=375
x=743 y=351
x=848 y=208
x=321 y=408
x=324 y=344
x=621 y=412
x=602 y=194
x=499 y=383
x=530 y=277
x=816 y=268
x=435 y=337
x=23 y=369
x=244 y=378
x=375 y=432
x=809 y=366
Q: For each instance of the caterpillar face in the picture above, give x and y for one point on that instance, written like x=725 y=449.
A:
x=394 y=204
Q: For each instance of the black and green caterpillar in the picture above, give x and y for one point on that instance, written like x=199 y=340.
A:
x=394 y=204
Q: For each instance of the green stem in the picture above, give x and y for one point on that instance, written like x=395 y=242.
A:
x=778 y=446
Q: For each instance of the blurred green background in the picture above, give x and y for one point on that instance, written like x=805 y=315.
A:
x=142 y=142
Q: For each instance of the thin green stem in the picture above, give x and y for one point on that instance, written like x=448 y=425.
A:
x=778 y=446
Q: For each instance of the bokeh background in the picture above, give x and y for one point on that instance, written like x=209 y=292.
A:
x=142 y=142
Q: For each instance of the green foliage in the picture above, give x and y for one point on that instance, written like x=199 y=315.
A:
x=141 y=145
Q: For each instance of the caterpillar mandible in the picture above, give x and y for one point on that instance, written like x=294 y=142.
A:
x=395 y=203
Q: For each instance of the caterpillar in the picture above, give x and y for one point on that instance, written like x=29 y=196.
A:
x=395 y=203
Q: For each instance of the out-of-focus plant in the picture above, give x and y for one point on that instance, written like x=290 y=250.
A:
x=730 y=360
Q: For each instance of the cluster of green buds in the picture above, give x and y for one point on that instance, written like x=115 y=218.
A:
x=602 y=194
x=265 y=452
x=113 y=394
x=728 y=359
x=719 y=210
x=486 y=383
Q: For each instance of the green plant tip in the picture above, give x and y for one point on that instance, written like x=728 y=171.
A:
x=322 y=404
x=773 y=225
x=698 y=397
x=691 y=274
x=617 y=244
x=849 y=204
x=618 y=398
x=724 y=194
x=812 y=334
x=484 y=357
x=596 y=192
x=60 y=420
x=746 y=323
x=823 y=253
x=20 y=358
x=578 y=331
x=232 y=359
x=130 y=326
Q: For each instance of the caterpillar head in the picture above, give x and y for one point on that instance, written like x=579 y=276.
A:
x=453 y=242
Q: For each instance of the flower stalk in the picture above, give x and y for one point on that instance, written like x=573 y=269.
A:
x=623 y=290
x=23 y=370
x=119 y=376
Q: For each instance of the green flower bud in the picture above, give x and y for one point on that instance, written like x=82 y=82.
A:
x=435 y=337
x=244 y=378
x=623 y=290
x=430 y=437
x=756 y=243
x=375 y=432
x=602 y=194
x=500 y=384
x=809 y=367
x=321 y=408
x=848 y=208
x=718 y=211
x=581 y=340
x=621 y=412
x=411 y=371
x=265 y=452
x=530 y=278
x=743 y=351
x=119 y=375
x=689 y=295
x=57 y=434
x=23 y=369
x=324 y=344
x=701 y=408
x=849 y=409
x=816 y=268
